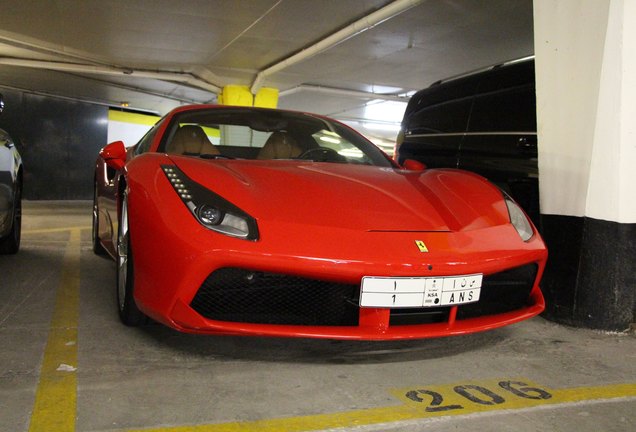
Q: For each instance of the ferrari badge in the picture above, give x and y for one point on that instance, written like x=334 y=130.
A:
x=421 y=246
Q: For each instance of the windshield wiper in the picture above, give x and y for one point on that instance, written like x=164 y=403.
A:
x=215 y=156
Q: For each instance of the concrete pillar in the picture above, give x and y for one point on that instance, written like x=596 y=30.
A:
x=586 y=118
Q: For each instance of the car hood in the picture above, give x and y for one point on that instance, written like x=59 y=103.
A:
x=349 y=196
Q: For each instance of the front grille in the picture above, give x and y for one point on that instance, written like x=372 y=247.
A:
x=502 y=292
x=238 y=295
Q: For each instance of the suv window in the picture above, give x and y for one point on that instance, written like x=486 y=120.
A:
x=508 y=110
x=448 y=117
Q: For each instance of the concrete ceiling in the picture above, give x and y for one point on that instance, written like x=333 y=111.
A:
x=158 y=54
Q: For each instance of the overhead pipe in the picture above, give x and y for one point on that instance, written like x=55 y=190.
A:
x=361 y=25
x=60 y=51
x=185 y=78
x=343 y=92
x=86 y=61
x=76 y=99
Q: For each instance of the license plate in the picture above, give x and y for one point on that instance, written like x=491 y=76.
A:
x=389 y=292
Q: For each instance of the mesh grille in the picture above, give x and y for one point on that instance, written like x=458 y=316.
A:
x=237 y=295
x=502 y=292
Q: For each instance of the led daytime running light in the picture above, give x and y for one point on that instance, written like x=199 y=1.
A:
x=177 y=183
x=211 y=210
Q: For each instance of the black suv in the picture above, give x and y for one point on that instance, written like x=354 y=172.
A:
x=483 y=122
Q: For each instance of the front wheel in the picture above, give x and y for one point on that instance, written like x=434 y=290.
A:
x=129 y=313
x=98 y=249
x=11 y=244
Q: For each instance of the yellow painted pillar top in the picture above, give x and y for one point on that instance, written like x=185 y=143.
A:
x=239 y=95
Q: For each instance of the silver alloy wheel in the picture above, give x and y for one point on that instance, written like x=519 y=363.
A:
x=11 y=244
x=98 y=249
x=122 y=254
x=17 y=215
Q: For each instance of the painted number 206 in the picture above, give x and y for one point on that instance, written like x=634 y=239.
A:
x=478 y=395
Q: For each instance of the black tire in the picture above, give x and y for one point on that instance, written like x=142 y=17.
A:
x=11 y=243
x=129 y=313
x=98 y=249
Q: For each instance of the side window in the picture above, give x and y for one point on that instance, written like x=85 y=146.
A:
x=447 y=117
x=144 y=143
x=506 y=100
x=509 y=110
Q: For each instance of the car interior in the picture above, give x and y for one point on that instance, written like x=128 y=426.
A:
x=266 y=136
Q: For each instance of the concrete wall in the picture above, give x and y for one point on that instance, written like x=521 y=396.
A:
x=59 y=140
x=586 y=110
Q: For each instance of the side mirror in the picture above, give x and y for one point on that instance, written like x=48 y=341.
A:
x=413 y=165
x=114 y=154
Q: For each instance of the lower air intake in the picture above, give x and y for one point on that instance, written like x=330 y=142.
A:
x=238 y=295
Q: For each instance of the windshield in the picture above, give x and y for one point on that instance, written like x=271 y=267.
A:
x=265 y=134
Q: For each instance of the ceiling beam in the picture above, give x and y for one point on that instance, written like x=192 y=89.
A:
x=361 y=25
x=184 y=78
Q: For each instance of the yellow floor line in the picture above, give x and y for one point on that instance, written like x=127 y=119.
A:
x=56 y=394
x=488 y=394
x=54 y=230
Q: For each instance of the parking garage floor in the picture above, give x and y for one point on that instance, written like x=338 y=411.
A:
x=67 y=364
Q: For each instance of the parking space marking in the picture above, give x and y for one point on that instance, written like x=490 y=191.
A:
x=54 y=230
x=488 y=395
x=55 y=398
x=421 y=402
x=55 y=406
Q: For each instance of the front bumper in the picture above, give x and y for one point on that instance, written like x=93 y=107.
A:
x=339 y=317
x=175 y=256
x=235 y=301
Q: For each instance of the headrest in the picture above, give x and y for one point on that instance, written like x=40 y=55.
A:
x=280 y=145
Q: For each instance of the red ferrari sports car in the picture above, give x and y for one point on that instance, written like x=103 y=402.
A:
x=250 y=221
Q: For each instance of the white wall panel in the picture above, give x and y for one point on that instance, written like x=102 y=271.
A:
x=613 y=169
x=128 y=127
x=569 y=42
x=586 y=107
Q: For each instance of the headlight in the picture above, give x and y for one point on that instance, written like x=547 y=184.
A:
x=518 y=219
x=209 y=215
x=211 y=210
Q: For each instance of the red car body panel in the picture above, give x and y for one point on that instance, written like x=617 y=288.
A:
x=324 y=221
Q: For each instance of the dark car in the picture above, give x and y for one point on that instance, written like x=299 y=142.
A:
x=483 y=122
x=10 y=193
